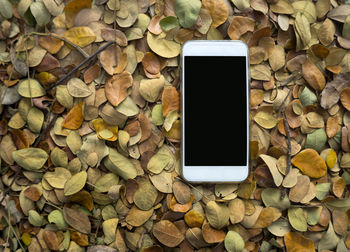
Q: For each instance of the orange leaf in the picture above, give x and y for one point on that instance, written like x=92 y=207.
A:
x=332 y=126
x=218 y=11
x=116 y=89
x=310 y=163
x=32 y=193
x=313 y=75
x=51 y=44
x=74 y=118
x=72 y=9
x=239 y=26
x=92 y=73
x=296 y=242
x=170 y=100
x=338 y=187
x=177 y=207
x=145 y=127
x=212 y=235
x=79 y=238
x=194 y=218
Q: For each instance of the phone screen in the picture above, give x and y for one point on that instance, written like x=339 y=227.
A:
x=215 y=113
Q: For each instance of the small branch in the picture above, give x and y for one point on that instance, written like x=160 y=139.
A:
x=76 y=47
x=289 y=151
x=80 y=65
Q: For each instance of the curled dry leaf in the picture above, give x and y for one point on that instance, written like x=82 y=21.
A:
x=240 y=25
x=313 y=75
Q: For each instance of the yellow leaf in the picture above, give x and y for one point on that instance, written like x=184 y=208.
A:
x=296 y=242
x=81 y=35
x=310 y=163
x=331 y=158
x=100 y=125
x=218 y=11
x=72 y=8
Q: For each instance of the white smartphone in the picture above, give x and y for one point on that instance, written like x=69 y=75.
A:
x=215 y=111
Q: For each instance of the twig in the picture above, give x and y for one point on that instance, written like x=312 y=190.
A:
x=80 y=65
x=13 y=231
x=9 y=187
x=75 y=46
x=289 y=151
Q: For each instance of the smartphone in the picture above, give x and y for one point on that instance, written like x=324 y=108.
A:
x=215 y=111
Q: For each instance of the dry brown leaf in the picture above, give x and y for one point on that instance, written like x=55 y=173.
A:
x=116 y=88
x=313 y=75
x=332 y=126
x=170 y=100
x=240 y=25
x=167 y=233
x=345 y=97
x=51 y=44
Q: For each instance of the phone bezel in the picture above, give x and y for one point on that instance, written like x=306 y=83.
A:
x=220 y=174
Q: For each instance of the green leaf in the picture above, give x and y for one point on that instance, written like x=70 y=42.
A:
x=329 y=239
x=316 y=140
x=40 y=13
x=31 y=159
x=234 y=242
x=75 y=183
x=313 y=215
x=241 y=4
x=163 y=47
x=322 y=190
x=6 y=9
x=56 y=216
x=187 y=12
x=30 y=88
x=297 y=219
x=169 y=23
x=346 y=28
x=35 y=219
x=340 y=204
x=272 y=198
x=157 y=115
x=120 y=165
x=307 y=97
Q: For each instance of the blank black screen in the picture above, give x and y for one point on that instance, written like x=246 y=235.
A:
x=215 y=111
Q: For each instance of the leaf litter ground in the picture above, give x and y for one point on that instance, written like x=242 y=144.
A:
x=90 y=127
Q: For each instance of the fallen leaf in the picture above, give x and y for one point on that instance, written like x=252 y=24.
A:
x=310 y=163
x=217 y=10
x=77 y=220
x=187 y=11
x=80 y=35
x=74 y=118
x=313 y=75
x=117 y=86
x=72 y=8
x=170 y=100
x=240 y=25
x=31 y=159
x=167 y=233
x=297 y=242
